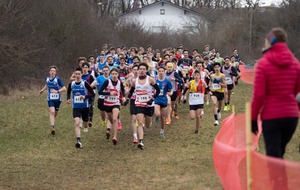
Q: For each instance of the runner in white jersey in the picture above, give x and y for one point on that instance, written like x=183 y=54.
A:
x=144 y=102
x=55 y=87
x=114 y=92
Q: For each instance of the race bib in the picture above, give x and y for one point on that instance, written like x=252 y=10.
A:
x=197 y=95
x=228 y=80
x=113 y=99
x=161 y=92
x=216 y=86
x=54 y=96
x=142 y=98
x=78 y=100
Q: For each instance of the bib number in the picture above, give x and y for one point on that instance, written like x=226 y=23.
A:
x=113 y=99
x=196 y=95
x=54 y=96
x=216 y=86
x=77 y=99
x=142 y=98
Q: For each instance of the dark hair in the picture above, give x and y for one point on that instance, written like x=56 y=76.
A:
x=81 y=59
x=280 y=34
x=78 y=69
x=143 y=64
x=196 y=71
x=114 y=69
x=217 y=63
x=121 y=58
x=205 y=58
x=136 y=57
x=53 y=67
x=161 y=68
x=195 y=50
x=105 y=66
x=199 y=62
x=85 y=64
x=174 y=60
x=90 y=56
x=226 y=57
x=135 y=65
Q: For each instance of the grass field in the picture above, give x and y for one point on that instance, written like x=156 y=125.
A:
x=33 y=159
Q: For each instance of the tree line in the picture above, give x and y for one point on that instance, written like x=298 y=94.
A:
x=36 y=34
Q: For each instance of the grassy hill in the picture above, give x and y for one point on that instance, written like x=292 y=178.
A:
x=33 y=159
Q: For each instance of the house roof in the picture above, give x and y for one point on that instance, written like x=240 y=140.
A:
x=159 y=2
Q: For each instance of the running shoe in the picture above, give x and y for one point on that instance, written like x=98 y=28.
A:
x=141 y=145
x=225 y=108
x=78 y=145
x=135 y=140
x=52 y=131
x=90 y=124
x=219 y=115
x=232 y=93
x=196 y=131
x=119 y=126
x=104 y=123
x=228 y=108
x=168 y=121
x=202 y=112
x=114 y=141
x=216 y=123
x=162 y=134
x=176 y=117
x=85 y=130
x=207 y=102
x=107 y=134
x=136 y=123
x=172 y=113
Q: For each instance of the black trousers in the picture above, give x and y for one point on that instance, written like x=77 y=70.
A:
x=277 y=133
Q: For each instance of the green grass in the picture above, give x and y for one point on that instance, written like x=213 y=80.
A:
x=33 y=159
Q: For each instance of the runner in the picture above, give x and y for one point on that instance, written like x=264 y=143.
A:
x=134 y=123
x=144 y=102
x=161 y=101
x=217 y=86
x=89 y=79
x=196 y=88
x=80 y=96
x=175 y=80
x=55 y=87
x=113 y=90
x=229 y=71
x=99 y=82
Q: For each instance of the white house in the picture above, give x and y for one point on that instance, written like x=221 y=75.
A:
x=164 y=16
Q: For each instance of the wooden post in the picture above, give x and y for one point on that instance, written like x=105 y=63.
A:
x=249 y=145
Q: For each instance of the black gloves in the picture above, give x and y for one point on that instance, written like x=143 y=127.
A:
x=150 y=102
x=126 y=102
x=254 y=127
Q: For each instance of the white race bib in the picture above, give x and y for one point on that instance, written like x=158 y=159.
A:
x=216 y=86
x=77 y=99
x=113 y=99
x=228 y=80
x=54 y=96
x=196 y=98
x=142 y=98
x=161 y=92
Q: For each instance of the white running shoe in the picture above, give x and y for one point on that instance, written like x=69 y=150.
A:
x=216 y=123
x=85 y=130
x=202 y=112
x=162 y=134
x=207 y=102
x=141 y=145
x=219 y=115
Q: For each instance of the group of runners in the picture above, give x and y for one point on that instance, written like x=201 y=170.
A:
x=151 y=82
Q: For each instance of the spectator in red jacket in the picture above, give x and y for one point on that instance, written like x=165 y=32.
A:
x=276 y=84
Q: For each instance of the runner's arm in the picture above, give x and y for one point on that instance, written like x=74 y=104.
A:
x=69 y=91
x=89 y=88
x=101 y=91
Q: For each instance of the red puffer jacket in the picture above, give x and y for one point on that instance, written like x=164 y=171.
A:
x=276 y=84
